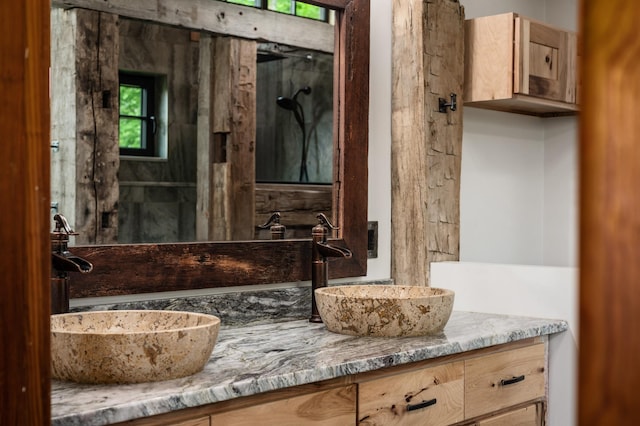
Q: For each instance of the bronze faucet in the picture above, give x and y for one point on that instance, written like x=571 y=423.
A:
x=63 y=262
x=320 y=252
x=277 y=229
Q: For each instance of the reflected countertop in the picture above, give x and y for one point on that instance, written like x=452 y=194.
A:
x=258 y=358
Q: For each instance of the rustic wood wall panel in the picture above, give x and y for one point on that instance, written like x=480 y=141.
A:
x=428 y=63
x=234 y=119
x=25 y=257
x=204 y=159
x=97 y=151
x=609 y=221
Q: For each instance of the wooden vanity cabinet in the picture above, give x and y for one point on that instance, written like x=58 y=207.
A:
x=517 y=64
x=495 y=386
x=428 y=396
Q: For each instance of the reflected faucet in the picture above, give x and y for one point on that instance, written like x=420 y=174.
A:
x=321 y=251
x=63 y=262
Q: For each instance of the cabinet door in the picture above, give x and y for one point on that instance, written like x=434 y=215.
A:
x=547 y=61
x=504 y=379
x=528 y=416
x=327 y=408
x=427 y=397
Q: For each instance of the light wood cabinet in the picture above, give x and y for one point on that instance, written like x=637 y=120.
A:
x=333 y=407
x=429 y=396
x=531 y=415
x=517 y=64
x=504 y=379
x=499 y=385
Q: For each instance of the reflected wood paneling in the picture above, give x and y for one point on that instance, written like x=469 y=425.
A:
x=222 y=18
x=147 y=268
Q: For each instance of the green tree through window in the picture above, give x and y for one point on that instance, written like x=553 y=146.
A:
x=130 y=126
x=136 y=134
x=290 y=7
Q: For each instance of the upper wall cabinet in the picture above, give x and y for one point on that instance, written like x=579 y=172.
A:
x=519 y=65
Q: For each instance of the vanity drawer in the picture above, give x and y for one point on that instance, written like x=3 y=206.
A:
x=504 y=379
x=530 y=415
x=333 y=407
x=427 y=397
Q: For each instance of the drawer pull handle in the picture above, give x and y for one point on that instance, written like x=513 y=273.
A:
x=505 y=382
x=423 y=404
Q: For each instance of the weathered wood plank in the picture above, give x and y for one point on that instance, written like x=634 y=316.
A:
x=234 y=115
x=428 y=58
x=97 y=150
x=221 y=18
x=204 y=161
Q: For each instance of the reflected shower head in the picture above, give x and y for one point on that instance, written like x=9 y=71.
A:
x=286 y=103
x=291 y=103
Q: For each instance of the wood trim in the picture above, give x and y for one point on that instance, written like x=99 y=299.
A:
x=25 y=257
x=131 y=269
x=609 y=344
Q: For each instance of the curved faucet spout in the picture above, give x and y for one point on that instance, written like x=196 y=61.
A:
x=63 y=262
x=327 y=250
x=70 y=263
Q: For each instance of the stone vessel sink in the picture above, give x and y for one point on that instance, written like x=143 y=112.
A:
x=384 y=310
x=130 y=346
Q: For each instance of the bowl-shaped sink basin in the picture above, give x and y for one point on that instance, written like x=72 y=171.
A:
x=384 y=310
x=130 y=346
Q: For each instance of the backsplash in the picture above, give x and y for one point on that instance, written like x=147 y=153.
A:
x=235 y=308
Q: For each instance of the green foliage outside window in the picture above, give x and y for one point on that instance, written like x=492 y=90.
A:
x=309 y=11
x=130 y=132
x=244 y=2
x=284 y=6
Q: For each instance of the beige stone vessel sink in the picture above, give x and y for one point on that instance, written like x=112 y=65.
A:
x=130 y=346
x=384 y=310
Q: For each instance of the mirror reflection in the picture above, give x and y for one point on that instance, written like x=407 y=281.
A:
x=165 y=134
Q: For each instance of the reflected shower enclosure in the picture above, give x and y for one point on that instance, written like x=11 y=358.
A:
x=294 y=141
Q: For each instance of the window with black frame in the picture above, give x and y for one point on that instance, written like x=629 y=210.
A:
x=137 y=123
x=290 y=7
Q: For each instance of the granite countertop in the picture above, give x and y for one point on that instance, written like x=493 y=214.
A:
x=251 y=359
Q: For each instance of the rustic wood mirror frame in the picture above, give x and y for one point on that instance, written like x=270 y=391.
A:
x=147 y=268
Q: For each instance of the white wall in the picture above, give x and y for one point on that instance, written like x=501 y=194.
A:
x=379 y=208
x=502 y=188
x=539 y=291
x=518 y=183
x=518 y=190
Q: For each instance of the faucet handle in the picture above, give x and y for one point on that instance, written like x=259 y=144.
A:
x=274 y=225
x=324 y=221
x=321 y=230
x=62 y=225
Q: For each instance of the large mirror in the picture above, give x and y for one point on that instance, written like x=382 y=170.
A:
x=174 y=101
x=234 y=33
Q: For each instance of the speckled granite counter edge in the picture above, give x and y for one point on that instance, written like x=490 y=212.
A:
x=253 y=359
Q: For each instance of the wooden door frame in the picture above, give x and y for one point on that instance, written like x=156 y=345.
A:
x=609 y=342
x=25 y=254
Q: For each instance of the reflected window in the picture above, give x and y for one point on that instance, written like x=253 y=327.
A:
x=290 y=7
x=137 y=116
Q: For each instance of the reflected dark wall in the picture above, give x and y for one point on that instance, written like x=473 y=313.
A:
x=279 y=136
